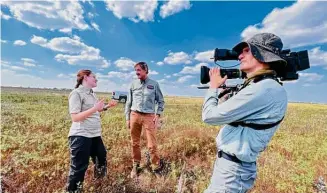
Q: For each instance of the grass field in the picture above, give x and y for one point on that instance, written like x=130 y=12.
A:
x=35 y=153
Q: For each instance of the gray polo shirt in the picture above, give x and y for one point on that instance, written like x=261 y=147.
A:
x=143 y=96
x=82 y=99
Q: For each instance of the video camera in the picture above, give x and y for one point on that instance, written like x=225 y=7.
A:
x=296 y=61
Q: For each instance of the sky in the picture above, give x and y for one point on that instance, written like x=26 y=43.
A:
x=44 y=44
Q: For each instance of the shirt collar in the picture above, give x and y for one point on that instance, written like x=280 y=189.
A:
x=85 y=89
x=144 y=81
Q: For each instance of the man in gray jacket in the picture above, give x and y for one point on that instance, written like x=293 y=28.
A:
x=140 y=112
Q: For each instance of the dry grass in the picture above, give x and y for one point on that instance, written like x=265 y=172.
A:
x=35 y=154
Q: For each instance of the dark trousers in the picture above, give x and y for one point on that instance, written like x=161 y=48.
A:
x=81 y=149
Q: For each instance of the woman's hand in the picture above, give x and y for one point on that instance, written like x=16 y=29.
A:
x=112 y=103
x=99 y=105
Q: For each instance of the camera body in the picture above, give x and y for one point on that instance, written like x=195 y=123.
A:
x=296 y=61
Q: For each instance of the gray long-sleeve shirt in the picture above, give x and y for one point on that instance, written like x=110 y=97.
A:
x=143 y=96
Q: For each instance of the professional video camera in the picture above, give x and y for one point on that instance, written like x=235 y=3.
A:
x=296 y=61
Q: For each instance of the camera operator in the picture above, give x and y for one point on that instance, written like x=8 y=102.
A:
x=252 y=115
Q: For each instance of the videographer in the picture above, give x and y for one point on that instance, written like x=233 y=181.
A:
x=252 y=116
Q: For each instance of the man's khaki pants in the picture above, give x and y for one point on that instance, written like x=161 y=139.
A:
x=145 y=120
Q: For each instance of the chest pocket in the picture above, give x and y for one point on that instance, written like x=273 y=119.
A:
x=149 y=91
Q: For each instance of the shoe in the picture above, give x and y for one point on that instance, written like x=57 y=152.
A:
x=74 y=188
x=136 y=170
x=158 y=171
x=100 y=171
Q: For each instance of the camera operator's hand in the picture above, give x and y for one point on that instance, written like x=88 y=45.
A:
x=215 y=79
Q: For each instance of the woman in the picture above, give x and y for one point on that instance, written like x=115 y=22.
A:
x=85 y=133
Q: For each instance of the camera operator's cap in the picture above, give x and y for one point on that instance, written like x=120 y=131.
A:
x=265 y=47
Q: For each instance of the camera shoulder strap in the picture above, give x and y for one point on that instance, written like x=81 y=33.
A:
x=259 y=78
x=256 y=126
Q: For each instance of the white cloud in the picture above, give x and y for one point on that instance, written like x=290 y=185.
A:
x=3 y=41
x=125 y=64
x=172 y=7
x=167 y=76
x=61 y=75
x=5 y=63
x=101 y=76
x=18 y=68
x=63 y=44
x=291 y=81
x=193 y=69
x=75 y=37
x=84 y=59
x=308 y=85
x=160 y=63
x=317 y=57
x=197 y=85
x=194 y=85
x=4 y=16
x=28 y=62
x=178 y=58
x=120 y=75
x=303 y=23
x=52 y=15
x=89 y=1
x=162 y=81
x=90 y=15
x=66 y=30
x=39 y=40
x=82 y=54
x=184 y=78
x=310 y=77
x=12 y=78
x=95 y=26
x=134 y=10
x=19 y=43
x=153 y=72
x=204 y=56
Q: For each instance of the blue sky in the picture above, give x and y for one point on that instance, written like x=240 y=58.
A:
x=44 y=44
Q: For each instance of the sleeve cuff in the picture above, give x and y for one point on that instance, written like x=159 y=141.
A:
x=213 y=92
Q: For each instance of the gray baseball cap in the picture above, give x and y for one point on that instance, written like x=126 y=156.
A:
x=265 y=47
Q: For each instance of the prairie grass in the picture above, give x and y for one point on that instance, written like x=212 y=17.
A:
x=35 y=153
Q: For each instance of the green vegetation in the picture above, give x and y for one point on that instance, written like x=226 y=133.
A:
x=35 y=153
